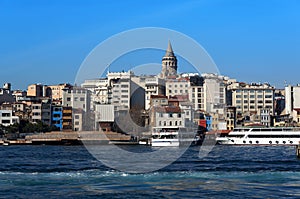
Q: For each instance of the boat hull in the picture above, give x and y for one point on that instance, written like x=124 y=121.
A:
x=260 y=141
x=164 y=142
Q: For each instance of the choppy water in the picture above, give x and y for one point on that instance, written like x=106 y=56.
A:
x=227 y=172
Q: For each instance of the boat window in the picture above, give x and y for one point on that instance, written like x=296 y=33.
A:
x=236 y=136
x=275 y=129
x=265 y=130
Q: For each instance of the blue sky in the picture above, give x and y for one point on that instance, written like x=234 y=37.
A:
x=46 y=41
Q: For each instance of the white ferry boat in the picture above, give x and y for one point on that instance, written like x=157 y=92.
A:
x=164 y=138
x=262 y=136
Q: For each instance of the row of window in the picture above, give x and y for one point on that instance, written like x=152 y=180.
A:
x=75 y=99
x=180 y=91
x=253 y=101
x=253 y=107
x=253 y=91
x=253 y=96
x=170 y=123
x=181 y=86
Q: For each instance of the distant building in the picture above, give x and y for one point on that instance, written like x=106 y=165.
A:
x=6 y=94
x=100 y=91
x=168 y=117
x=38 y=90
x=177 y=86
x=249 y=99
x=230 y=117
x=57 y=113
x=7 y=118
x=57 y=92
x=104 y=116
x=153 y=86
x=78 y=119
x=67 y=118
x=41 y=111
x=77 y=98
x=292 y=100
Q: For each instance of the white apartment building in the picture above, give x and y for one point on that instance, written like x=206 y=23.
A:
x=99 y=91
x=292 y=100
x=77 y=98
x=167 y=118
x=6 y=118
x=178 y=86
x=215 y=93
x=120 y=84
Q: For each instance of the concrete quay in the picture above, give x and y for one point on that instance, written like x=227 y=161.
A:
x=71 y=138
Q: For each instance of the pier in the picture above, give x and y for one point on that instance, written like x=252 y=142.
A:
x=71 y=138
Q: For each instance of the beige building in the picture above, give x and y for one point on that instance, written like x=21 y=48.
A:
x=250 y=99
x=35 y=90
x=177 y=86
x=57 y=92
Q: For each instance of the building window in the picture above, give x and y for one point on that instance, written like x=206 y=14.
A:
x=170 y=123
x=82 y=99
x=170 y=115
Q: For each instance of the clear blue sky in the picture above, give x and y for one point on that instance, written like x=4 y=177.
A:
x=46 y=41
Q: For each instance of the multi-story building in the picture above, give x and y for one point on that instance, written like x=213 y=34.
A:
x=153 y=86
x=21 y=110
x=265 y=117
x=78 y=119
x=67 y=122
x=7 y=118
x=77 y=98
x=177 y=86
x=57 y=116
x=6 y=94
x=196 y=92
x=41 y=111
x=120 y=89
x=38 y=90
x=214 y=90
x=292 y=100
x=99 y=89
x=57 y=92
x=249 y=99
x=36 y=112
x=169 y=117
x=230 y=117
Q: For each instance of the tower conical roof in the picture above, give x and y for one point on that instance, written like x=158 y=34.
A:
x=169 y=52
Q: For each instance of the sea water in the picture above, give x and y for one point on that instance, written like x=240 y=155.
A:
x=226 y=172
